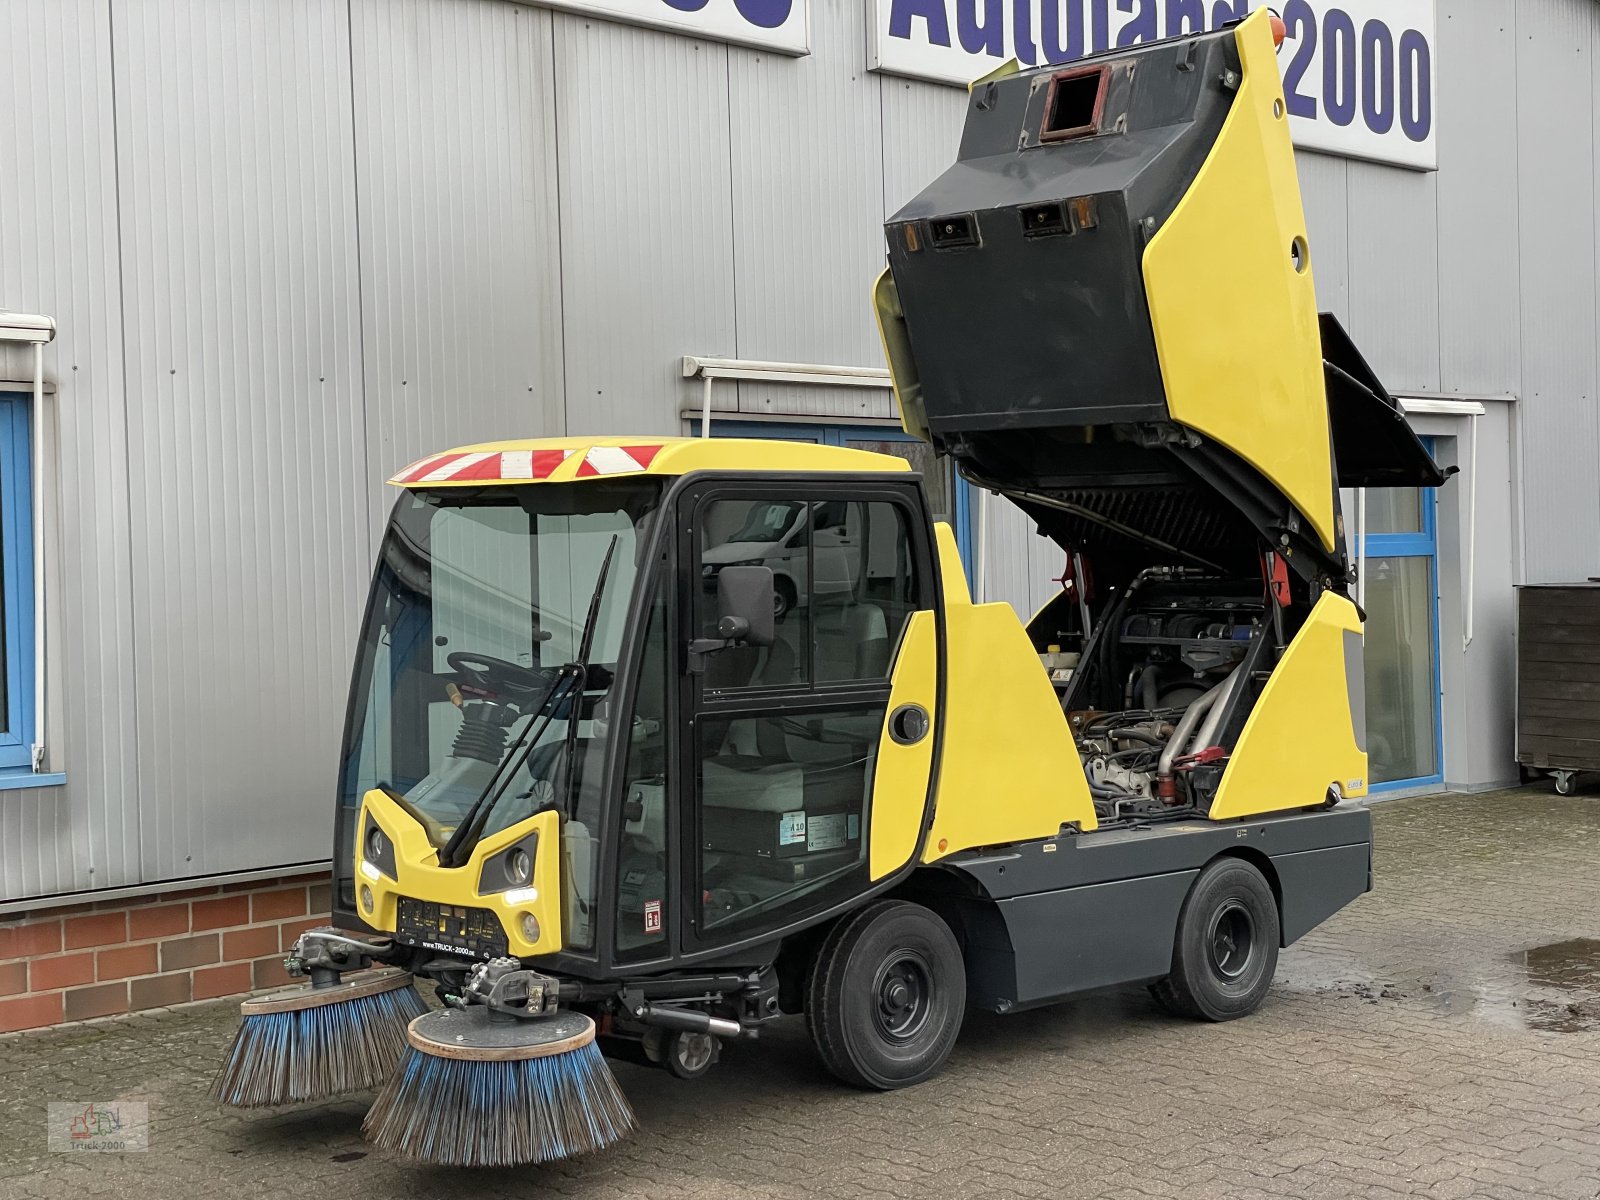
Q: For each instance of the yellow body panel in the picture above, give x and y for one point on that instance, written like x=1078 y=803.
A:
x=421 y=877
x=1301 y=739
x=904 y=381
x=672 y=456
x=1008 y=767
x=1235 y=324
x=900 y=778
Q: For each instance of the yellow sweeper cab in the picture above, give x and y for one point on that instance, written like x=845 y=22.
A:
x=662 y=739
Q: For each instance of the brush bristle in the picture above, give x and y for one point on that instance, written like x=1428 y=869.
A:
x=292 y=1057
x=468 y=1113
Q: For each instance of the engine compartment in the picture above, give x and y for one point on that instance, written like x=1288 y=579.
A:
x=1167 y=671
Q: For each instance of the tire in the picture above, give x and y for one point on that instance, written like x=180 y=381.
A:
x=886 y=996
x=1226 y=948
x=783 y=598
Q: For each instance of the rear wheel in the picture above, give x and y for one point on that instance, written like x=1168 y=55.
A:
x=1226 y=948
x=886 y=996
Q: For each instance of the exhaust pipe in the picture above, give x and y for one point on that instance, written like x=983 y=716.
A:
x=1166 y=785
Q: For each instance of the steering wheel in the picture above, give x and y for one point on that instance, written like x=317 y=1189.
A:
x=495 y=675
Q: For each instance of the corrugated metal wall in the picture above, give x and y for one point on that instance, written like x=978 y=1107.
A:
x=292 y=244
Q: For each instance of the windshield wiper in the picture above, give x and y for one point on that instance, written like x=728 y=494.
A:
x=571 y=682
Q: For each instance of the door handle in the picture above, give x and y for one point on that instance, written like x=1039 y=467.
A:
x=909 y=724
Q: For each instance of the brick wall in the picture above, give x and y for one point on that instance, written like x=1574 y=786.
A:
x=94 y=960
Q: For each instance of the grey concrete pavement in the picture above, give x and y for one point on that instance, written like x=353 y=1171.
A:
x=1439 y=1038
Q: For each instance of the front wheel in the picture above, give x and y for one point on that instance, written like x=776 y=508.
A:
x=886 y=996
x=1226 y=948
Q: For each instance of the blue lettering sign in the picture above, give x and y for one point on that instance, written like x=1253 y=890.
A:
x=1143 y=26
x=1185 y=16
x=986 y=36
x=1056 y=50
x=768 y=14
x=686 y=5
x=1022 y=32
x=932 y=14
x=1100 y=24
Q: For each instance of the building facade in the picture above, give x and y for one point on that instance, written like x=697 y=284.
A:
x=292 y=245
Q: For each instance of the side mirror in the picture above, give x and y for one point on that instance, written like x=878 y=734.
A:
x=744 y=613
x=745 y=603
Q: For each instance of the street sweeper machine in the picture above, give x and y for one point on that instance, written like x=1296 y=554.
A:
x=653 y=741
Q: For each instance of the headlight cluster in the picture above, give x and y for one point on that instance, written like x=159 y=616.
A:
x=511 y=870
x=377 y=851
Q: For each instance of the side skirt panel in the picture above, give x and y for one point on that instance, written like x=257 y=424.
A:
x=1057 y=918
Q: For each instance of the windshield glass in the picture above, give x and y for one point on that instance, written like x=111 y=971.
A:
x=479 y=599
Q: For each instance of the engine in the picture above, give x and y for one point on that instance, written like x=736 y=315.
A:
x=1163 y=687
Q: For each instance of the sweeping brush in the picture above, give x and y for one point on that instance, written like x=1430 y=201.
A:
x=483 y=1089
x=312 y=1042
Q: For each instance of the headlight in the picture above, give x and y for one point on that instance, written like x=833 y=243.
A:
x=519 y=866
x=530 y=928
x=511 y=869
x=377 y=851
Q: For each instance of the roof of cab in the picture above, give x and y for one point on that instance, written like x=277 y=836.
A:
x=557 y=460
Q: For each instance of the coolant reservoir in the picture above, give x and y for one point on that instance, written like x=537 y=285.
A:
x=1059 y=665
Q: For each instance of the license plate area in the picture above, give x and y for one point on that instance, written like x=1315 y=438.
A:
x=452 y=928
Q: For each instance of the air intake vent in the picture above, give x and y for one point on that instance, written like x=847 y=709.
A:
x=1075 y=105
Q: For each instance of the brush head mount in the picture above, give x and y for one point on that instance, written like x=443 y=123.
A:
x=478 y=1035
x=356 y=985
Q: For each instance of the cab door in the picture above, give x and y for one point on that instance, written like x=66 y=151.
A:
x=787 y=749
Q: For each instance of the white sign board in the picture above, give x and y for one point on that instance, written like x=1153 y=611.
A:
x=782 y=26
x=1357 y=74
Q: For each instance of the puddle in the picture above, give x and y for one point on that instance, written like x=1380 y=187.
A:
x=1564 y=986
x=1546 y=989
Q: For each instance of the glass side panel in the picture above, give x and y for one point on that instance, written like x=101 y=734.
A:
x=1401 y=708
x=843 y=586
x=772 y=533
x=784 y=803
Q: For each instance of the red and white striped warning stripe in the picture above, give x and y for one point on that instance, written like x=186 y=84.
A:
x=615 y=460
x=519 y=465
x=457 y=467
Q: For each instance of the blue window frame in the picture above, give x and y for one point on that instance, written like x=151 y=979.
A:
x=16 y=584
x=960 y=515
x=1407 y=551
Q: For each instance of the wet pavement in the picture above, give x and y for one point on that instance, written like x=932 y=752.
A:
x=1441 y=1037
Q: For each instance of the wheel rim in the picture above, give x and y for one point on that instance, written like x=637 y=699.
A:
x=903 y=995
x=692 y=1051
x=1230 y=942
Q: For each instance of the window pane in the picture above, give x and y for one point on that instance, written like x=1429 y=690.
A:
x=1399 y=654
x=865 y=588
x=642 y=863
x=1393 y=510
x=937 y=474
x=769 y=533
x=783 y=812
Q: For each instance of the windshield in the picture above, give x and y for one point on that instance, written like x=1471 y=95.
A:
x=479 y=599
